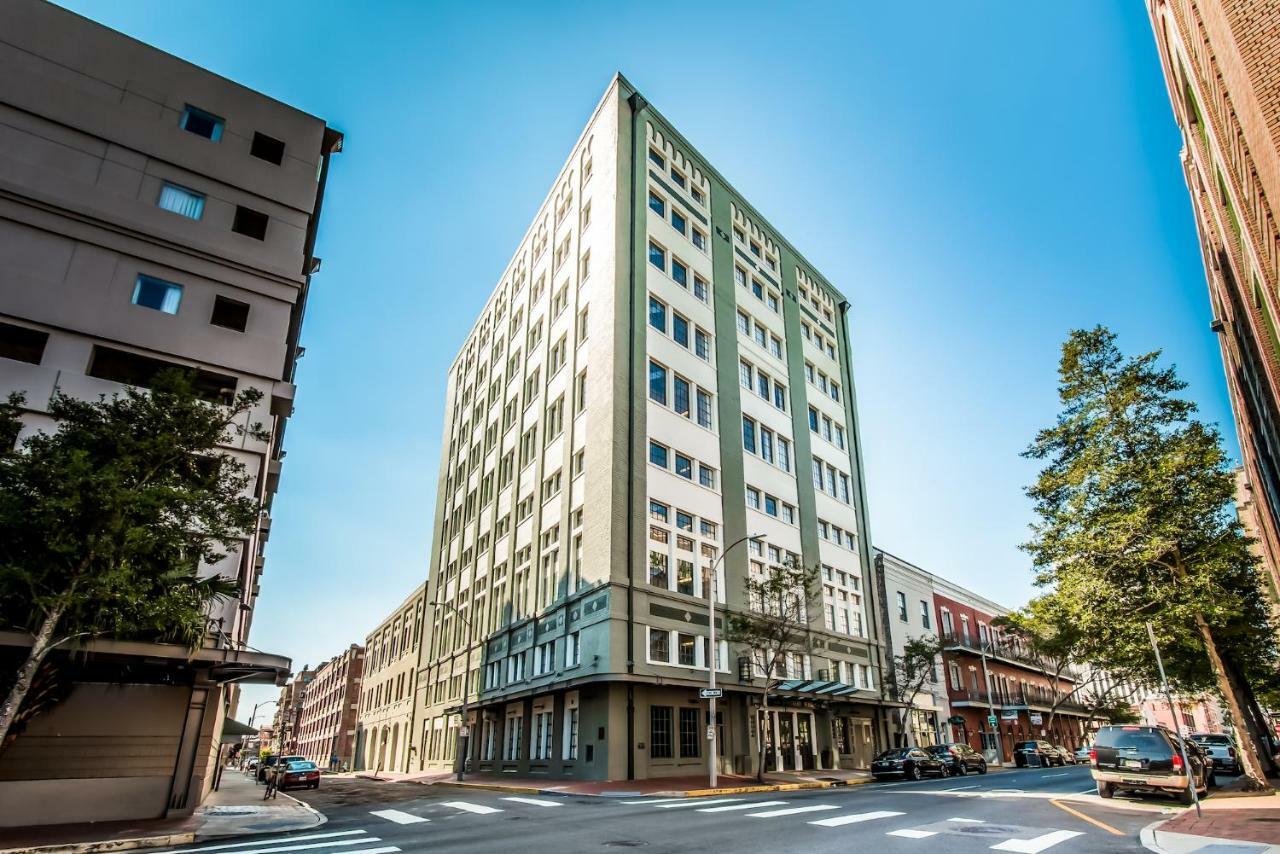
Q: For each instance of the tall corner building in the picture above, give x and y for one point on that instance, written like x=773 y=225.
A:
x=657 y=374
x=153 y=215
x=1221 y=61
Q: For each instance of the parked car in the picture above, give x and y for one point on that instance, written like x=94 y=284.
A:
x=959 y=759
x=1046 y=753
x=1220 y=749
x=300 y=773
x=1147 y=759
x=1068 y=758
x=909 y=762
x=1082 y=753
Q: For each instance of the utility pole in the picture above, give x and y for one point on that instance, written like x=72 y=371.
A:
x=464 y=732
x=991 y=708
x=713 y=657
x=1173 y=713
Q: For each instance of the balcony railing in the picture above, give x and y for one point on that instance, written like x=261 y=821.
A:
x=1031 y=698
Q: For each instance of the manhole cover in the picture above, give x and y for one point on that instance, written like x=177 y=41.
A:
x=987 y=830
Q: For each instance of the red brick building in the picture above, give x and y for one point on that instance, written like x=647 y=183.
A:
x=989 y=674
x=326 y=726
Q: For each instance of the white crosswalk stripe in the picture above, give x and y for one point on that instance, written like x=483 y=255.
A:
x=750 y=806
x=841 y=820
x=696 y=802
x=281 y=845
x=1037 y=843
x=399 y=817
x=908 y=833
x=259 y=842
x=478 y=809
x=651 y=801
x=537 y=802
x=966 y=820
x=792 y=811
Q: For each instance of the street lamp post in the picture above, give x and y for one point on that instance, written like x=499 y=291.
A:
x=464 y=732
x=257 y=706
x=713 y=656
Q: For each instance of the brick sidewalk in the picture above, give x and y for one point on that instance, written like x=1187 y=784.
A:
x=1246 y=825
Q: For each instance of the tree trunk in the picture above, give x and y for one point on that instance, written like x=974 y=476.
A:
x=40 y=647
x=1249 y=761
x=1255 y=723
x=761 y=724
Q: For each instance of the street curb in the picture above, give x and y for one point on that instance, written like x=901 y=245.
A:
x=1147 y=836
x=768 y=787
x=107 y=845
x=493 y=787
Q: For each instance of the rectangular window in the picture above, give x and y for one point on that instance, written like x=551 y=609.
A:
x=748 y=435
x=658 y=454
x=684 y=584
x=680 y=397
x=197 y=121
x=656 y=159
x=678 y=222
x=657 y=314
x=267 y=148
x=230 y=314
x=660 y=732
x=700 y=287
x=657 y=383
x=706 y=476
x=250 y=223
x=685 y=644
x=753 y=498
x=699 y=239
x=680 y=329
x=181 y=201
x=157 y=294
x=924 y=613
x=902 y=606
x=22 y=344
x=684 y=466
x=701 y=345
x=771 y=505
x=690 y=733
x=679 y=272
x=658 y=256
x=571 y=734
x=744 y=374
x=744 y=323
x=659 y=644
x=704 y=409
x=657 y=204
x=784 y=454
x=780 y=396
x=766 y=444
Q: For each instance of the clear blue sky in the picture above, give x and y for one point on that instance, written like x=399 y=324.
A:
x=977 y=178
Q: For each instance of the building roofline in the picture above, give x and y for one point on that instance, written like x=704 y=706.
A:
x=938 y=581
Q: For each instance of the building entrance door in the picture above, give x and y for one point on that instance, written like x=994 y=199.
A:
x=804 y=740
x=786 y=740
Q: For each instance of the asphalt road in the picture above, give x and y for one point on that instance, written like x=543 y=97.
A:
x=1018 y=811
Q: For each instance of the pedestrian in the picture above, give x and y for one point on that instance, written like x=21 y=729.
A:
x=274 y=775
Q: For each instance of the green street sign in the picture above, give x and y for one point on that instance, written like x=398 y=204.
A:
x=991 y=720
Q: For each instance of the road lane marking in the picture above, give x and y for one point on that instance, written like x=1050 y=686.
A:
x=1108 y=828
x=841 y=820
x=967 y=820
x=907 y=833
x=652 y=801
x=792 y=811
x=959 y=788
x=478 y=809
x=748 y=806
x=696 y=802
x=537 y=802
x=398 y=817
x=283 y=845
x=305 y=838
x=1037 y=843
x=1047 y=776
x=389 y=849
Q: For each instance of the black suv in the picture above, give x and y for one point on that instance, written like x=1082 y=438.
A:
x=959 y=759
x=910 y=762
x=1147 y=759
x=1048 y=754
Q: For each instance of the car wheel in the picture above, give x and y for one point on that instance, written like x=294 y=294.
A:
x=982 y=769
x=1106 y=790
x=914 y=773
x=1185 y=797
x=961 y=768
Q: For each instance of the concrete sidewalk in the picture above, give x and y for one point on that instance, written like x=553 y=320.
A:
x=1227 y=824
x=237 y=808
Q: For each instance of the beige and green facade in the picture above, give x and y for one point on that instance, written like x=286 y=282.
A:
x=657 y=374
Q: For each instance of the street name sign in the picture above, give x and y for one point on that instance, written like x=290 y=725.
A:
x=711 y=693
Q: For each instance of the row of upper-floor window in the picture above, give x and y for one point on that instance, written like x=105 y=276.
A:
x=205 y=124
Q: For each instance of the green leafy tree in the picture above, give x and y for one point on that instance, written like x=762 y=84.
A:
x=906 y=677
x=775 y=628
x=1136 y=524
x=105 y=521
x=1048 y=637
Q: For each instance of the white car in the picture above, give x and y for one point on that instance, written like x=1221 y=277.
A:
x=1082 y=754
x=1220 y=748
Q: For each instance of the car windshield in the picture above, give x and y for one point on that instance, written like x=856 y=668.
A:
x=1142 y=740
x=898 y=753
x=1202 y=738
x=302 y=766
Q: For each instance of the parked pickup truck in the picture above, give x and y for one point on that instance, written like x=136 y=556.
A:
x=1220 y=748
